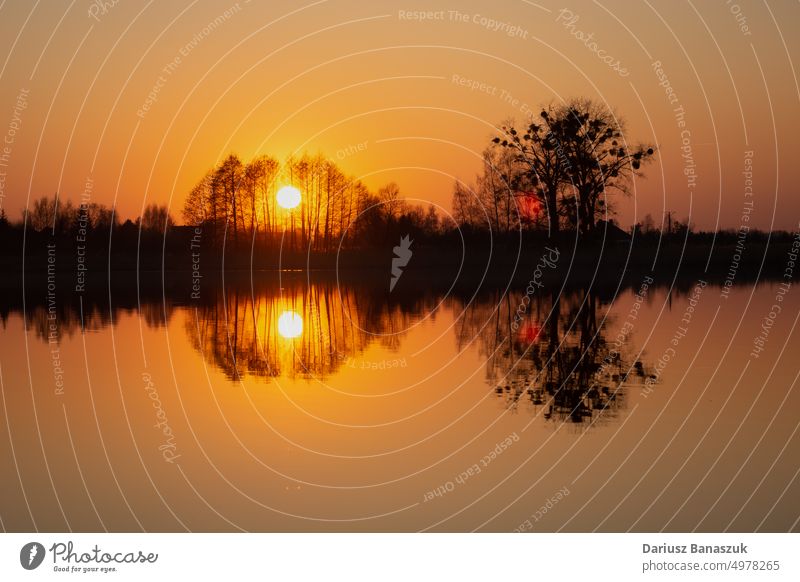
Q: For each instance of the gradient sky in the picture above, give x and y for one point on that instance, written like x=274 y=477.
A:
x=281 y=77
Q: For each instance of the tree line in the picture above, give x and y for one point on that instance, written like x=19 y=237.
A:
x=561 y=170
x=238 y=201
x=59 y=217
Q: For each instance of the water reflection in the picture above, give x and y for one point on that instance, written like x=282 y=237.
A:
x=545 y=352
x=290 y=325
x=298 y=329
x=333 y=401
x=552 y=355
x=553 y=358
x=556 y=359
x=91 y=313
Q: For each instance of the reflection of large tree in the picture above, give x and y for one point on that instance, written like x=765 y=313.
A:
x=550 y=352
x=239 y=330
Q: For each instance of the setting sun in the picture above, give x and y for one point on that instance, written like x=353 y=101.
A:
x=288 y=197
x=290 y=325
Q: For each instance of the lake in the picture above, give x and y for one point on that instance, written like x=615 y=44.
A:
x=293 y=405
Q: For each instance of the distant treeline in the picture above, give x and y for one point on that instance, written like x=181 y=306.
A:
x=235 y=202
x=556 y=173
x=552 y=180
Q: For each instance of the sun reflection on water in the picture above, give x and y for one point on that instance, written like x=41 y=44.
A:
x=290 y=325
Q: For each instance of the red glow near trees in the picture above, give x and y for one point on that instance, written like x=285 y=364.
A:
x=529 y=332
x=529 y=205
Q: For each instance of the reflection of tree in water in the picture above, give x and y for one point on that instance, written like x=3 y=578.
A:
x=307 y=330
x=63 y=319
x=551 y=355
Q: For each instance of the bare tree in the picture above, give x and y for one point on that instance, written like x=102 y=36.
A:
x=389 y=195
x=156 y=218
x=543 y=164
x=229 y=176
x=197 y=206
x=600 y=159
x=572 y=158
x=42 y=215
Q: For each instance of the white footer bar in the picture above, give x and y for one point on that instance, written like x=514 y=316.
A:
x=407 y=557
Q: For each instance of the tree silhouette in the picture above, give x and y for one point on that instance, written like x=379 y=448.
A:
x=491 y=203
x=542 y=163
x=156 y=218
x=229 y=176
x=572 y=158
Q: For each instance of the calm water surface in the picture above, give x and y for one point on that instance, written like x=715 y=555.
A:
x=319 y=407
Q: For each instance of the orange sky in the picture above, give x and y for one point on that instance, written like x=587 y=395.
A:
x=421 y=96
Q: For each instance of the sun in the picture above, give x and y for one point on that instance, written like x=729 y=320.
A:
x=288 y=197
x=290 y=325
